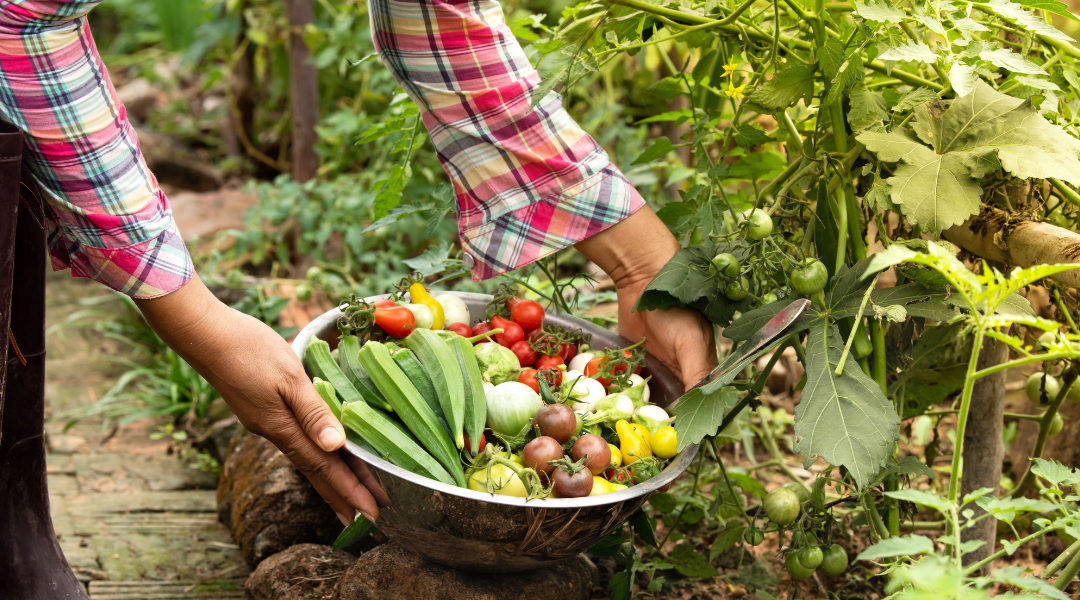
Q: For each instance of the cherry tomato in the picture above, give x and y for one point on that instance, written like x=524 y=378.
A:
x=1037 y=383
x=397 y=321
x=577 y=485
x=567 y=352
x=737 y=289
x=527 y=313
x=303 y=292
x=461 y=329
x=597 y=362
x=782 y=506
x=799 y=489
x=1056 y=425
x=546 y=362
x=556 y=421
x=512 y=332
x=810 y=278
x=797 y=571
x=528 y=377
x=664 y=442
x=539 y=452
x=753 y=537
x=726 y=264
x=384 y=303
x=525 y=355
x=480 y=448
x=835 y=561
x=481 y=329
x=810 y=557
x=596 y=449
x=768 y=298
x=760 y=225
x=617 y=476
x=558 y=374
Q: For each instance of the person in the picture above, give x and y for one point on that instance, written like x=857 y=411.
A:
x=528 y=183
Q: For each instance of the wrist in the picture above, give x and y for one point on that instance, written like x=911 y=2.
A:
x=632 y=251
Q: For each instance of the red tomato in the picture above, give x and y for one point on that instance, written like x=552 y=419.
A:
x=481 y=329
x=546 y=361
x=527 y=313
x=468 y=444
x=598 y=362
x=512 y=332
x=558 y=374
x=384 y=303
x=616 y=476
x=526 y=356
x=528 y=377
x=567 y=352
x=397 y=321
x=461 y=329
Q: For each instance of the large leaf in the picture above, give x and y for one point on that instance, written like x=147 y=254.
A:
x=788 y=85
x=879 y=10
x=985 y=130
x=910 y=51
x=698 y=415
x=898 y=546
x=1024 y=18
x=681 y=281
x=938 y=364
x=844 y=419
x=659 y=148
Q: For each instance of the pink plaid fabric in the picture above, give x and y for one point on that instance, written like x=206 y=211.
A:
x=528 y=181
x=109 y=219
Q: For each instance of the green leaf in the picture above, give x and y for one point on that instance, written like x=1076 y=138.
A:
x=963 y=78
x=698 y=415
x=1024 y=18
x=1054 y=472
x=881 y=11
x=691 y=563
x=915 y=97
x=878 y=196
x=939 y=503
x=608 y=546
x=1011 y=61
x=910 y=51
x=898 y=546
x=748 y=136
x=759 y=165
x=548 y=85
x=664 y=502
x=1015 y=576
x=659 y=148
x=726 y=540
x=667 y=88
x=1038 y=83
x=868 y=109
x=619 y=586
x=389 y=195
x=826 y=229
x=845 y=419
x=1058 y=8
x=832 y=57
x=792 y=82
x=911 y=465
x=675 y=115
x=938 y=364
x=684 y=279
x=356 y=531
x=432 y=261
x=643 y=527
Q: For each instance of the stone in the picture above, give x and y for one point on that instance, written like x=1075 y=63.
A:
x=268 y=504
x=139 y=98
x=203 y=214
x=392 y=573
x=303 y=572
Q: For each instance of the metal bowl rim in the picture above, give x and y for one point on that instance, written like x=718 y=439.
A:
x=674 y=469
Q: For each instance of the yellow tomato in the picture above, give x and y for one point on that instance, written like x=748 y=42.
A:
x=419 y=295
x=616 y=457
x=664 y=442
x=631 y=446
x=505 y=481
x=642 y=433
x=603 y=486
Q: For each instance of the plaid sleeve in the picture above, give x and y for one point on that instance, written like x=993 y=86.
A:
x=528 y=181
x=109 y=219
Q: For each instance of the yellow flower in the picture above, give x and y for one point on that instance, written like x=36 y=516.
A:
x=730 y=68
x=735 y=92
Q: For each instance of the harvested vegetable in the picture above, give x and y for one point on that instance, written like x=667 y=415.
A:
x=455 y=311
x=447 y=377
x=511 y=407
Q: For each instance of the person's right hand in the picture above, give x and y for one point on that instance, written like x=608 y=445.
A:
x=263 y=382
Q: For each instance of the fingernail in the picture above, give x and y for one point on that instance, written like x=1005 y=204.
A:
x=366 y=516
x=346 y=521
x=330 y=439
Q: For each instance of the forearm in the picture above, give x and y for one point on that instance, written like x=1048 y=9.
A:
x=632 y=251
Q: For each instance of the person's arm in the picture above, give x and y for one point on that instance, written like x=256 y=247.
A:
x=529 y=181
x=112 y=223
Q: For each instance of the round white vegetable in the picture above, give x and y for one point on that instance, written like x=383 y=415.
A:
x=578 y=362
x=636 y=380
x=510 y=407
x=589 y=392
x=653 y=411
x=423 y=315
x=624 y=404
x=454 y=309
x=488 y=386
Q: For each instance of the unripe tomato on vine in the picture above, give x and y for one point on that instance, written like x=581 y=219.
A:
x=759 y=224
x=810 y=278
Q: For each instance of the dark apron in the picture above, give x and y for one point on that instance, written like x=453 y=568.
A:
x=32 y=566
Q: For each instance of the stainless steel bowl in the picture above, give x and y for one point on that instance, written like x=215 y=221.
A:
x=477 y=531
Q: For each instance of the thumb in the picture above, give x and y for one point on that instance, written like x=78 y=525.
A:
x=314 y=416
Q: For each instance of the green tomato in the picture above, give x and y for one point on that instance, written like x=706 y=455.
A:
x=726 y=264
x=797 y=571
x=768 y=298
x=760 y=225
x=810 y=557
x=1056 y=425
x=782 y=506
x=810 y=278
x=834 y=562
x=736 y=290
x=1034 y=387
x=861 y=346
x=1046 y=339
x=799 y=489
x=1074 y=392
x=303 y=292
x=314 y=273
x=753 y=537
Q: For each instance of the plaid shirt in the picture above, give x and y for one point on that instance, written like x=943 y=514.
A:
x=109 y=219
x=528 y=182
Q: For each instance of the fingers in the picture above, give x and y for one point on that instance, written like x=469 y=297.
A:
x=368 y=480
x=313 y=414
x=697 y=356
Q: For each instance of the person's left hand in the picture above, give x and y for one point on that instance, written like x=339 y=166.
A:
x=681 y=338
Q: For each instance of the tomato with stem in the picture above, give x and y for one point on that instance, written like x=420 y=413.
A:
x=834 y=560
x=594 y=451
x=726 y=264
x=396 y=321
x=556 y=421
x=527 y=313
x=782 y=506
x=525 y=354
x=540 y=452
x=809 y=278
x=737 y=290
x=512 y=332
x=759 y=225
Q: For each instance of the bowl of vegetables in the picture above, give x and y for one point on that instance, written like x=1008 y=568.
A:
x=506 y=437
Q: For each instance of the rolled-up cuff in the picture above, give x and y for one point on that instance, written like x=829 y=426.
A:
x=150 y=269
x=525 y=235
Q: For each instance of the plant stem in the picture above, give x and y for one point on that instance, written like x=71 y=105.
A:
x=855 y=329
x=878 y=365
x=1068 y=573
x=727 y=482
x=965 y=407
x=1045 y=421
x=1061 y=560
x=968 y=570
x=875 y=518
x=1067 y=192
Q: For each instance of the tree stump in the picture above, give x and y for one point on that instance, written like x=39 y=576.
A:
x=303 y=572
